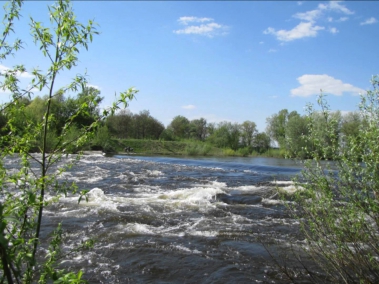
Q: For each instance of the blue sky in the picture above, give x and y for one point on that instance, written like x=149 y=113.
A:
x=222 y=60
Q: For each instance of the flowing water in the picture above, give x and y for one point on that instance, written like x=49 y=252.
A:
x=178 y=220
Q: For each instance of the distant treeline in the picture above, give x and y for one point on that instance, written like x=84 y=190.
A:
x=287 y=130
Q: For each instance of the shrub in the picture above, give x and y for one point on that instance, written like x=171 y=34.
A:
x=228 y=152
x=339 y=208
x=244 y=151
x=197 y=149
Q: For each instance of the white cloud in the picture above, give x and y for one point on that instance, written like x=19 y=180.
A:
x=310 y=16
x=313 y=84
x=189 y=107
x=300 y=3
x=186 y=20
x=339 y=20
x=308 y=27
x=201 y=26
x=304 y=29
x=336 y=6
x=342 y=19
x=369 y=21
x=333 y=30
x=272 y=50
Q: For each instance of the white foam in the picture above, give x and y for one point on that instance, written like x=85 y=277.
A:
x=96 y=195
x=154 y=173
x=271 y=201
x=249 y=171
x=183 y=248
x=194 y=194
x=94 y=179
x=248 y=188
x=282 y=182
x=291 y=189
x=219 y=184
x=136 y=228
x=207 y=234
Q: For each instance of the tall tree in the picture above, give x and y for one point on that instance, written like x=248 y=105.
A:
x=351 y=124
x=226 y=135
x=88 y=100
x=261 y=142
x=295 y=135
x=248 y=131
x=121 y=124
x=198 y=129
x=180 y=127
x=276 y=126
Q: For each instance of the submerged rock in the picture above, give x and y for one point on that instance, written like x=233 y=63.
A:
x=247 y=199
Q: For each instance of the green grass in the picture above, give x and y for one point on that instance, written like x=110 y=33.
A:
x=186 y=148
x=272 y=153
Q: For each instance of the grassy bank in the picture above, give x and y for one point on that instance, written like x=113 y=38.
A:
x=185 y=148
x=156 y=147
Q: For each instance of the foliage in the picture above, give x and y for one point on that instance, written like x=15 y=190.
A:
x=126 y=125
x=338 y=209
x=229 y=152
x=167 y=135
x=295 y=132
x=276 y=126
x=198 y=129
x=248 y=131
x=23 y=193
x=226 y=135
x=261 y=142
x=102 y=140
x=244 y=152
x=180 y=126
x=350 y=124
x=196 y=149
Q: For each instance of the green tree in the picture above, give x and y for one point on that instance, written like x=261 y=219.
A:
x=211 y=128
x=180 y=127
x=248 y=131
x=23 y=193
x=146 y=126
x=226 y=135
x=326 y=127
x=337 y=205
x=198 y=129
x=261 y=142
x=276 y=126
x=295 y=136
x=350 y=125
x=88 y=100
x=121 y=124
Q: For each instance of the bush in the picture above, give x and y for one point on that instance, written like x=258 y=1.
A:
x=102 y=140
x=228 y=152
x=339 y=208
x=244 y=152
x=196 y=149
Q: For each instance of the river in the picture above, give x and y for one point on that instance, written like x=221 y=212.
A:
x=178 y=220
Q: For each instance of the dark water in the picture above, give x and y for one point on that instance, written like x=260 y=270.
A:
x=178 y=220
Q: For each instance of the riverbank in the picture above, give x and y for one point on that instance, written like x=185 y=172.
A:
x=186 y=148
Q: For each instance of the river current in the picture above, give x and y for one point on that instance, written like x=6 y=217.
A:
x=178 y=220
